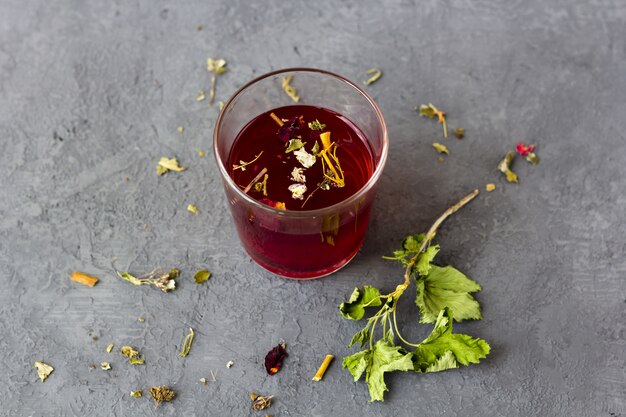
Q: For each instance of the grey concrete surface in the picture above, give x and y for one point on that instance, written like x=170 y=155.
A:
x=91 y=93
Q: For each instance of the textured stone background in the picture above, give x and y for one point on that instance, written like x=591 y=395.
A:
x=91 y=93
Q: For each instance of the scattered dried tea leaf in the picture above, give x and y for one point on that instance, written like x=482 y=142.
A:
x=289 y=89
x=216 y=67
x=140 y=319
x=294 y=145
x=110 y=348
x=133 y=355
x=43 y=370
x=191 y=208
x=322 y=369
x=158 y=278
x=200 y=153
x=306 y=159
x=213 y=375
x=199 y=28
x=505 y=167
x=202 y=276
x=297 y=175
x=230 y=364
x=242 y=164
x=316 y=125
x=83 y=278
x=161 y=394
x=376 y=75
x=297 y=191
x=168 y=164
x=440 y=148
x=105 y=366
x=221 y=105
x=430 y=111
x=200 y=96
x=136 y=393
x=260 y=402
x=274 y=358
x=532 y=158
x=203 y=381
x=187 y=344
x=459 y=132
x=490 y=187
x=180 y=129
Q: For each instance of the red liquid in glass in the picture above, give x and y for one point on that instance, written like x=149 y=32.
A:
x=310 y=246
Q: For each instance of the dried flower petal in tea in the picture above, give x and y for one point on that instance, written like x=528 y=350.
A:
x=440 y=148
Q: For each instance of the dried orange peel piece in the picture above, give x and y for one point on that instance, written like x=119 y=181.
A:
x=83 y=278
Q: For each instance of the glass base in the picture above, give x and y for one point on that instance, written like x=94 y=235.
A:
x=308 y=275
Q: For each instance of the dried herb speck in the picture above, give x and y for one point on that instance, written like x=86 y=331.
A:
x=376 y=75
x=459 y=132
x=43 y=370
x=260 y=402
x=160 y=394
x=430 y=111
x=505 y=167
x=187 y=344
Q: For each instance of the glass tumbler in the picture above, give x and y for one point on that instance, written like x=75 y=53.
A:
x=309 y=243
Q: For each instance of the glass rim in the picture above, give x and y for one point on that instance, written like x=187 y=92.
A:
x=303 y=213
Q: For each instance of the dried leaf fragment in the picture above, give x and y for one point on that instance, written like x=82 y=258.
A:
x=216 y=66
x=289 y=89
x=505 y=167
x=459 y=132
x=532 y=158
x=322 y=369
x=201 y=153
x=230 y=364
x=430 y=111
x=202 y=276
x=187 y=344
x=441 y=148
x=168 y=164
x=161 y=394
x=316 y=125
x=200 y=96
x=136 y=393
x=203 y=381
x=105 y=366
x=191 y=208
x=294 y=145
x=161 y=280
x=376 y=75
x=260 y=402
x=275 y=357
x=110 y=348
x=43 y=370
x=83 y=278
x=133 y=355
x=490 y=187
x=180 y=129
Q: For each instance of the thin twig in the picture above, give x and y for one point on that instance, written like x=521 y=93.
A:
x=277 y=119
x=254 y=180
x=212 y=90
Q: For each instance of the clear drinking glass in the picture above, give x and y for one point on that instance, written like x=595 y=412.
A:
x=295 y=244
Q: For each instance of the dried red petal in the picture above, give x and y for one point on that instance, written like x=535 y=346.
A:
x=291 y=129
x=274 y=359
x=523 y=149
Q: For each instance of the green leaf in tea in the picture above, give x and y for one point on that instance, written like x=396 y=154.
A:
x=294 y=145
x=316 y=125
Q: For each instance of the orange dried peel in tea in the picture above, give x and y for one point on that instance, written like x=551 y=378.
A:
x=83 y=278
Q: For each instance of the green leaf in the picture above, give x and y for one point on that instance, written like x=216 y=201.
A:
x=357 y=363
x=424 y=260
x=443 y=349
x=202 y=276
x=446 y=287
x=354 y=309
x=294 y=145
x=131 y=278
x=411 y=244
x=385 y=357
x=362 y=337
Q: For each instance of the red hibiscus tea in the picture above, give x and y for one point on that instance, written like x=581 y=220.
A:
x=299 y=181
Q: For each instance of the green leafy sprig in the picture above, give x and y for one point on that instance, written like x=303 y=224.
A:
x=443 y=295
